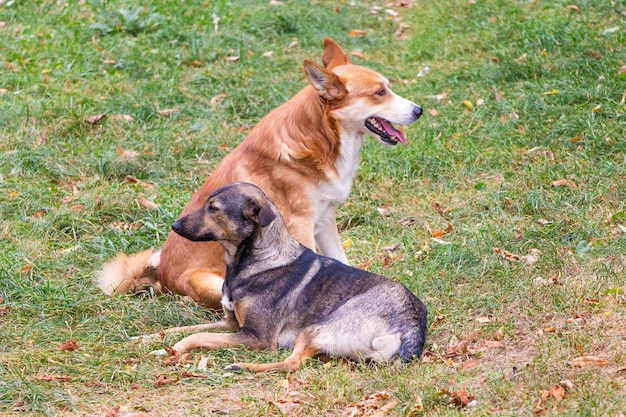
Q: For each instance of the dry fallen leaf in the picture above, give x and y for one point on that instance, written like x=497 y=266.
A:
x=122 y=117
x=357 y=32
x=521 y=58
x=162 y=380
x=168 y=112
x=217 y=98
x=584 y=361
x=95 y=119
x=572 y=8
x=564 y=182
x=126 y=154
x=146 y=203
x=69 y=345
x=460 y=398
x=358 y=54
x=231 y=58
x=377 y=404
x=54 y=378
x=439 y=209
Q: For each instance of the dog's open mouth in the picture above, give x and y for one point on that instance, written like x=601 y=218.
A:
x=385 y=131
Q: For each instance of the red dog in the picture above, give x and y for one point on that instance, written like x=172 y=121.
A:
x=303 y=155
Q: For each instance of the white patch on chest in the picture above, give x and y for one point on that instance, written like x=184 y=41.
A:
x=227 y=303
x=336 y=189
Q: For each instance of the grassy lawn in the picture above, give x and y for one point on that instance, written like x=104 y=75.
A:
x=506 y=212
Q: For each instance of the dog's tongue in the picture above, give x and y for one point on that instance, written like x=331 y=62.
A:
x=392 y=131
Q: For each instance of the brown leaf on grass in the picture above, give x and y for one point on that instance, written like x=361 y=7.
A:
x=407 y=221
x=358 y=54
x=564 y=182
x=287 y=407
x=69 y=345
x=217 y=98
x=443 y=97
x=114 y=411
x=126 y=154
x=522 y=58
x=39 y=213
x=463 y=346
x=392 y=248
x=433 y=112
x=372 y=405
x=54 y=378
x=557 y=392
x=78 y=208
x=146 y=203
x=168 y=112
x=287 y=50
x=92 y=120
x=231 y=58
x=357 y=32
x=439 y=233
x=512 y=257
x=402 y=32
x=439 y=209
x=460 y=398
x=161 y=380
x=576 y=139
x=187 y=374
x=4 y=310
x=572 y=8
x=122 y=117
x=585 y=361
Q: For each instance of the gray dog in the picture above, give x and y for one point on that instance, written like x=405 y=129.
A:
x=278 y=293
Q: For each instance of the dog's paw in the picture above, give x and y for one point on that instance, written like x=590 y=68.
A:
x=159 y=352
x=233 y=367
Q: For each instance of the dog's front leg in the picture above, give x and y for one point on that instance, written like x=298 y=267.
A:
x=304 y=347
x=213 y=341
x=328 y=241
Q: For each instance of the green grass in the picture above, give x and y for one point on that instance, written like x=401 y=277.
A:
x=547 y=105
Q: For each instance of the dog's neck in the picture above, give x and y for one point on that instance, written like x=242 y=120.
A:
x=272 y=246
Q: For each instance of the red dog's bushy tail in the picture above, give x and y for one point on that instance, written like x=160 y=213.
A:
x=130 y=273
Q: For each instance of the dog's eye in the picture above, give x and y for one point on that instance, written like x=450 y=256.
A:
x=212 y=208
x=381 y=92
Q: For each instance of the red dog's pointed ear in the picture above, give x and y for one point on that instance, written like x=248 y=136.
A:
x=333 y=55
x=327 y=84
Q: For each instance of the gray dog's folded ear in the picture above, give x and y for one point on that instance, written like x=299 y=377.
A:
x=259 y=211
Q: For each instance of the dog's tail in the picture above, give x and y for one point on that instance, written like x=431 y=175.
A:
x=130 y=273
x=412 y=343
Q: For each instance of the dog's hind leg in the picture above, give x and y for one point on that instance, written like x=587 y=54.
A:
x=205 y=286
x=303 y=348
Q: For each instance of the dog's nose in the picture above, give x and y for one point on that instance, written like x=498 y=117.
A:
x=177 y=227
x=417 y=112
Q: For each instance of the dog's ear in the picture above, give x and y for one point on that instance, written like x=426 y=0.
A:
x=327 y=84
x=259 y=212
x=333 y=55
